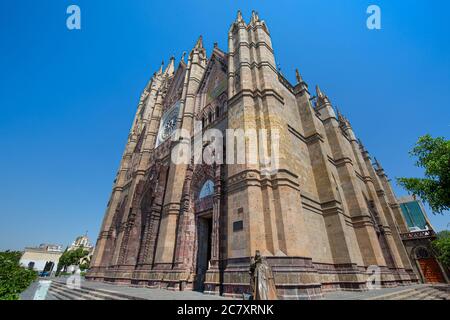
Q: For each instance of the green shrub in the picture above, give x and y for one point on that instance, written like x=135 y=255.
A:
x=13 y=278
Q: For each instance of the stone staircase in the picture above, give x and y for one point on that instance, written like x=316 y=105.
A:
x=60 y=291
x=426 y=292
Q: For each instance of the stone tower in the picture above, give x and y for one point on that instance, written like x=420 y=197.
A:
x=324 y=218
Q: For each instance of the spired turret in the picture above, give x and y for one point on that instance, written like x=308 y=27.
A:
x=323 y=105
x=301 y=87
x=170 y=68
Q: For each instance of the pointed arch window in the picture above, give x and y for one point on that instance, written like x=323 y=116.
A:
x=207 y=189
x=217 y=112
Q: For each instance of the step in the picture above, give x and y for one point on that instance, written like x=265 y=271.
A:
x=420 y=296
x=395 y=295
x=402 y=294
x=442 y=296
x=106 y=294
x=415 y=294
x=74 y=294
x=64 y=294
x=442 y=288
x=89 y=293
x=55 y=296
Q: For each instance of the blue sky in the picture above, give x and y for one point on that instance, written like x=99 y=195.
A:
x=67 y=98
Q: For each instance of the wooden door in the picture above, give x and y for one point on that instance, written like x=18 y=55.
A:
x=431 y=270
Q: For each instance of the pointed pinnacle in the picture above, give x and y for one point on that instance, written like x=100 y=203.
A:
x=160 y=71
x=377 y=163
x=239 y=16
x=319 y=92
x=339 y=114
x=255 y=17
x=199 y=44
x=171 y=67
x=298 y=76
x=183 y=56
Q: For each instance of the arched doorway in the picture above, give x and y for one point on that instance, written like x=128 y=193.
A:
x=198 y=234
x=204 y=227
x=429 y=267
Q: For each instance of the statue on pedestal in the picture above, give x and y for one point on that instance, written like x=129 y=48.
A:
x=261 y=278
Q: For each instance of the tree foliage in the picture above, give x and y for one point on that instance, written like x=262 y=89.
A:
x=13 y=278
x=77 y=257
x=442 y=247
x=433 y=154
x=443 y=234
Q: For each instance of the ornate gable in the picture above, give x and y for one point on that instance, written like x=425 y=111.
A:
x=176 y=87
x=213 y=85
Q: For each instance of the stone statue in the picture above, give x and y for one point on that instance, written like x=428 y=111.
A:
x=262 y=282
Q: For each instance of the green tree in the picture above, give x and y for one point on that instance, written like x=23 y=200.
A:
x=441 y=247
x=13 y=278
x=72 y=258
x=85 y=262
x=443 y=234
x=433 y=154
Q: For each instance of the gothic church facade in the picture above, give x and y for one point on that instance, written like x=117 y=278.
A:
x=322 y=221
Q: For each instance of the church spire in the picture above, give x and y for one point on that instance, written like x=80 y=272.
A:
x=301 y=85
x=199 y=44
x=160 y=71
x=340 y=117
x=319 y=92
x=255 y=17
x=322 y=98
x=198 y=53
x=183 y=56
x=298 y=76
x=239 y=17
x=171 y=67
x=338 y=112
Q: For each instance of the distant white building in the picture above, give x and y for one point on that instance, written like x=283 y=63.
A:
x=81 y=242
x=43 y=258
x=46 y=256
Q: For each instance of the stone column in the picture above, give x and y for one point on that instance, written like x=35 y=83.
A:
x=164 y=258
x=358 y=210
x=342 y=238
x=103 y=248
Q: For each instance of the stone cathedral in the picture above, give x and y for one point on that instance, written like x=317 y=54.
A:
x=322 y=221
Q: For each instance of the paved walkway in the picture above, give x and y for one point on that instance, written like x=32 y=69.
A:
x=138 y=292
x=355 y=295
x=161 y=294
x=150 y=294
